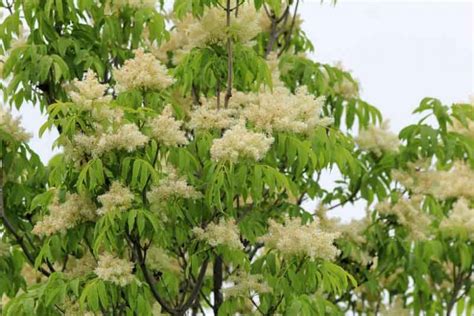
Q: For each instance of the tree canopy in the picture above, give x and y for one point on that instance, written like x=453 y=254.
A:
x=191 y=140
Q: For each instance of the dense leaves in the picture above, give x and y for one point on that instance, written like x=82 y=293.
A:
x=158 y=205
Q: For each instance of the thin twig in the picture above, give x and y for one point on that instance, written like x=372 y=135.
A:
x=256 y=306
x=218 y=280
x=290 y=32
x=230 y=62
x=140 y=260
x=197 y=287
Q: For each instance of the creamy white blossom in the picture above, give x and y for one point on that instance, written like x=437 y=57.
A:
x=245 y=285
x=409 y=214
x=72 y=307
x=115 y=6
x=104 y=114
x=378 y=140
x=292 y=238
x=205 y=118
x=113 y=269
x=157 y=259
x=224 y=233
x=118 y=198
x=127 y=137
x=85 y=146
x=460 y=222
x=31 y=275
x=273 y=66
x=210 y=28
x=63 y=216
x=142 y=72
x=354 y=230
x=347 y=88
x=240 y=143
x=458 y=181
x=280 y=110
x=77 y=267
x=167 y=130
x=12 y=126
x=172 y=186
x=88 y=91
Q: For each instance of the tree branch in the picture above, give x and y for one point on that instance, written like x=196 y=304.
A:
x=140 y=260
x=197 y=287
x=274 y=33
x=458 y=280
x=230 y=65
x=288 y=36
x=218 y=280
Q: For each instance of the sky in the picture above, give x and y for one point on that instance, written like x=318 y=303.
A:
x=400 y=51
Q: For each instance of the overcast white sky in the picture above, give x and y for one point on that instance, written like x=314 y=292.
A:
x=401 y=51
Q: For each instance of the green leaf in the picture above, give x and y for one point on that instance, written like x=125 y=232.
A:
x=44 y=67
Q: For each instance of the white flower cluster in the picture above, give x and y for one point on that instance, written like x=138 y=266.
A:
x=246 y=285
x=63 y=216
x=354 y=230
x=115 y=6
x=118 y=198
x=346 y=87
x=378 y=139
x=126 y=137
x=293 y=238
x=172 y=186
x=209 y=29
x=460 y=221
x=142 y=72
x=270 y=111
x=72 y=307
x=409 y=214
x=32 y=275
x=207 y=117
x=11 y=126
x=88 y=91
x=281 y=110
x=443 y=184
x=273 y=66
x=77 y=267
x=167 y=130
x=225 y=233
x=158 y=260
x=267 y=111
x=240 y=143
x=113 y=269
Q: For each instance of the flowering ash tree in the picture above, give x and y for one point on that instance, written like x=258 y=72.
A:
x=190 y=141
